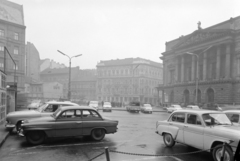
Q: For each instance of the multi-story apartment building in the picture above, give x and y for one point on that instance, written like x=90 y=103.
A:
x=130 y=79
x=32 y=68
x=60 y=75
x=12 y=36
x=204 y=66
x=47 y=63
x=84 y=86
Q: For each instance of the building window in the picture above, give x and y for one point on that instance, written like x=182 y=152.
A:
x=15 y=51
x=2 y=33
x=16 y=36
x=1 y=47
x=16 y=67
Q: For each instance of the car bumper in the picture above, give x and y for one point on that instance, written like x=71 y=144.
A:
x=9 y=126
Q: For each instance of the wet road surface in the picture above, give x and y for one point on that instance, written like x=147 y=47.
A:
x=136 y=135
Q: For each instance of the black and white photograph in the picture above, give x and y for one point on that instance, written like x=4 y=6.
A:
x=119 y=80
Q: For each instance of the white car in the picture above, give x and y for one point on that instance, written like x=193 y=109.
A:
x=173 y=108
x=93 y=104
x=202 y=129
x=234 y=116
x=146 y=108
x=107 y=106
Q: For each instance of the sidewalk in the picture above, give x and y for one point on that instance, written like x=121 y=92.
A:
x=3 y=134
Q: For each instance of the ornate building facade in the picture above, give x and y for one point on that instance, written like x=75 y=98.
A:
x=206 y=61
x=130 y=79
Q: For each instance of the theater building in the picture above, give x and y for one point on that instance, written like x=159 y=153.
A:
x=207 y=61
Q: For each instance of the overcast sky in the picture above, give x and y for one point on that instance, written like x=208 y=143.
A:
x=116 y=29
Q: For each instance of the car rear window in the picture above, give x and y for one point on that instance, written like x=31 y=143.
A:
x=178 y=117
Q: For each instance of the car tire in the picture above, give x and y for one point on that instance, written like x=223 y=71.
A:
x=168 y=140
x=217 y=153
x=18 y=126
x=98 y=134
x=35 y=137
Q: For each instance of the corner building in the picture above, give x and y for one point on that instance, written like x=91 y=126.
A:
x=131 y=79
x=215 y=53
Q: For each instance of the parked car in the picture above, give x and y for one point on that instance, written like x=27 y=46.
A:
x=34 y=104
x=93 y=104
x=202 y=129
x=146 y=108
x=234 y=116
x=14 y=119
x=133 y=106
x=68 y=122
x=173 y=108
x=195 y=107
x=212 y=106
x=107 y=106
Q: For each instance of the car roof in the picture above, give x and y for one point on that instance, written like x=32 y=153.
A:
x=198 y=111
x=62 y=103
x=77 y=108
x=234 y=111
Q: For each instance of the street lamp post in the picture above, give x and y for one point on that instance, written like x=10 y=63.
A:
x=69 y=78
x=197 y=75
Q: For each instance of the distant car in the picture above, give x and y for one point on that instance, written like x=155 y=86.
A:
x=192 y=107
x=212 y=106
x=14 y=119
x=146 y=108
x=234 y=116
x=107 y=106
x=133 y=106
x=173 y=108
x=203 y=129
x=93 y=104
x=68 y=121
x=34 y=104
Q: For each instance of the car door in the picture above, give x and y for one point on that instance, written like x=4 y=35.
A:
x=176 y=124
x=90 y=120
x=193 y=131
x=68 y=123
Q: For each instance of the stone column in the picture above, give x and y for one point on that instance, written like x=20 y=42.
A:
x=218 y=62
x=193 y=67
x=204 y=65
x=228 y=63
x=176 y=70
x=182 y=69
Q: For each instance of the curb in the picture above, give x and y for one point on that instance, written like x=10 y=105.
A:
x=4 y=139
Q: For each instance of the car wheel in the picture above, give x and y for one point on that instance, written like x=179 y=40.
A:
x=168 y=140
x=98 y=134
x=35 y=137
x=18 y=126
x=217 y=153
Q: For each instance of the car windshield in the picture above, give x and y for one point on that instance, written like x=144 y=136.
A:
x=211 y=119
x=41 y=108
x=107 y=103
x=56 y=113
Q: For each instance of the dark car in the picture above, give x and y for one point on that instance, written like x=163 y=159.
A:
x=212 y=106
x=68 y=121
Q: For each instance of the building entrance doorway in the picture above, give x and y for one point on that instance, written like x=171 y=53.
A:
x=186 y=97
x=210 y=95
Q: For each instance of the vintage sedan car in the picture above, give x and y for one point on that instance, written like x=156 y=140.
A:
x=146 y=108
x=107 y=106
x=202 y=129
x=68 y=122
x=173 y=108
x=14 y=119
x=234 y=116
